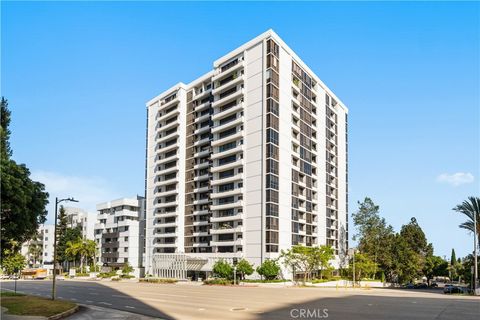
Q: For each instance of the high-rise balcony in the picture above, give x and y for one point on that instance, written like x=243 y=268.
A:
x=217 y=194
x=227 y=85
x=202 y=118
x=202 y=106
x=165 y=116
x=218 y=243
x=202 y=153
x=226 y=230
x=218 y=114
x=202 y=141
x=229 y=138
x=202 y=94
x=223 y=126
x=217 y=180
x=235 y=67
x=237 y=149
x=237 y=216
x=237 y=163
x=167 y=126
x=228 y=98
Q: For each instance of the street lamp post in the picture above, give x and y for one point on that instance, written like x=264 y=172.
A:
x=352 y=252
x=57 y=201
x=475 y=263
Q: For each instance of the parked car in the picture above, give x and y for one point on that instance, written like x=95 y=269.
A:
x=453 y=289
x=434 y=285
x=421 y=286
x=409 y=286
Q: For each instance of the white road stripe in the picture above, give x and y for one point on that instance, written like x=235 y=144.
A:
x=129 y=307
x=88 y=301
x=106 y=303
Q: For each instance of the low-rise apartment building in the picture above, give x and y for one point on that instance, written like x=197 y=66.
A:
x=119 y=233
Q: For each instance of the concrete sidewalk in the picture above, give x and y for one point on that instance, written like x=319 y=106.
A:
x=89 y=312
x=85 y=313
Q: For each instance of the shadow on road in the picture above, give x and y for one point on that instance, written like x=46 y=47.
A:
x=370 y=307
x=90 y=293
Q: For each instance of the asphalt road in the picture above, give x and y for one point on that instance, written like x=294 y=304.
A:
x=214 y=302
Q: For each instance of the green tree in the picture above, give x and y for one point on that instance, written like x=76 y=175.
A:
x=35 y=249
x=375 y=237
x=298 y=259
x=434 y=266
x=321 y=258
x=23 y=200
x=83 y=248
x=223 y=269
x=364 y=266
x=244 y=268
x=13 y=263
x=453 y=258
x=71 y=234
x=72 y=250
x=470 y=208
x=407 y=263
x=269 y=269
x=127 y=269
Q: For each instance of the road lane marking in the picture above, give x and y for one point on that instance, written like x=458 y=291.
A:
x=129 y=307
x=89 y=301
x=94 y=293
x=106 y=303
x=120 y=296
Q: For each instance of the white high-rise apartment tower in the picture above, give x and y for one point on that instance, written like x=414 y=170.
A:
x=247 y=160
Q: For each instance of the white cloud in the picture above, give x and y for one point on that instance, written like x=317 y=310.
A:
x=87 y=190
x=456 y=179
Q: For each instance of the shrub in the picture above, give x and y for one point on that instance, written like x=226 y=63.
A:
x=127 y=269
x=269 y=269
x=218 y=281
x=158 y=280
x=81 y=274
x=264 y=281
x=116 y=279
x=223 y=269
x=107 y=274
x=244 y=268
x=127 y=276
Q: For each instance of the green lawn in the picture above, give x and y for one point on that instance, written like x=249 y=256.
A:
x=24 y=305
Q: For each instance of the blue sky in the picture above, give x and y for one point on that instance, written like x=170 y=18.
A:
x=77 y=76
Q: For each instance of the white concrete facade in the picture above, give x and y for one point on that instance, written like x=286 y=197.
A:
x=119 y=233
x=44 y=240
x=79 y=218
x=247 y=160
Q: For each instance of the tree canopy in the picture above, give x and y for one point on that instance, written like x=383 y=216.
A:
x=23 y=200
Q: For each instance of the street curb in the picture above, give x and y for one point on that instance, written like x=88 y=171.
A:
x=64 y=314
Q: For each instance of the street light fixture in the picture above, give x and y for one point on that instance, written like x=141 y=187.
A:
x=57 y=201
x=352 y=253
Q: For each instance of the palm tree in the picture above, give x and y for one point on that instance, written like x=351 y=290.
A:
x=72 y=250
x=470 y=208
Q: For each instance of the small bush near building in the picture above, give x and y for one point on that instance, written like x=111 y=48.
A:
x=158 y=280
x=269 y=269
x=218 y=281
x=223 y=269
x=264 y=281
x=115 y=279
x=107 y=274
